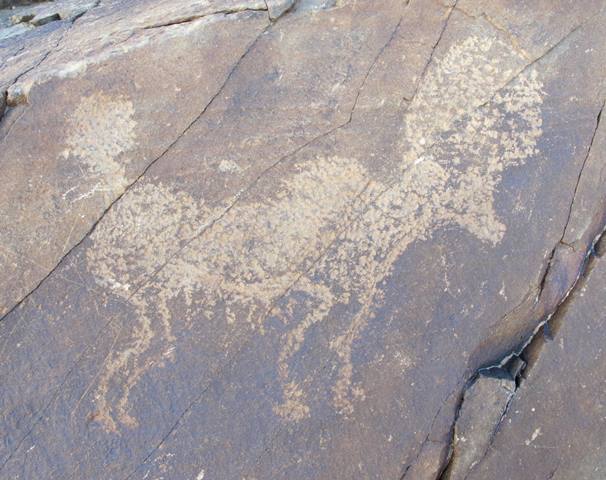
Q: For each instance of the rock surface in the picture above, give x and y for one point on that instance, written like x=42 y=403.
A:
x=279 y=239
x=556 y=423
x=484 y=404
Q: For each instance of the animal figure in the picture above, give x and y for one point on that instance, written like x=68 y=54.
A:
x=330 y=233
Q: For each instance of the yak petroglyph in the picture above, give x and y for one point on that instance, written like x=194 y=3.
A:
x=328 y=236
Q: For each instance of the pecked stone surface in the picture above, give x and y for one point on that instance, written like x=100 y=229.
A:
x=276 y=239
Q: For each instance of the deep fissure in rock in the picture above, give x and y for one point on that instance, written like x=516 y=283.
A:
x=512 y=369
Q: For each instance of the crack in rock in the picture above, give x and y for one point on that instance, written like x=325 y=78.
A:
x=487 y=394
x=136 y=181
x=278 y=8
x=481 y=411
x=192 y=18
x=15 y=94
x=478 y=418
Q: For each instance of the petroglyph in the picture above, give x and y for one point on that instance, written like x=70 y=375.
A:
x=100 y=130
x=264 y=256
x=140 y=233
x=240 y=266
x=318 y=304
x=135 y=239
x=453 y=156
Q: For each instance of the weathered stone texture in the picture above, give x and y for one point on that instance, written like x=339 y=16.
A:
x=249 y=239
x=554 y=427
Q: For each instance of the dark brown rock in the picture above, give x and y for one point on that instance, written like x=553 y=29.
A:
x=484 y=404
x=276 y=240
x=554 y=427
